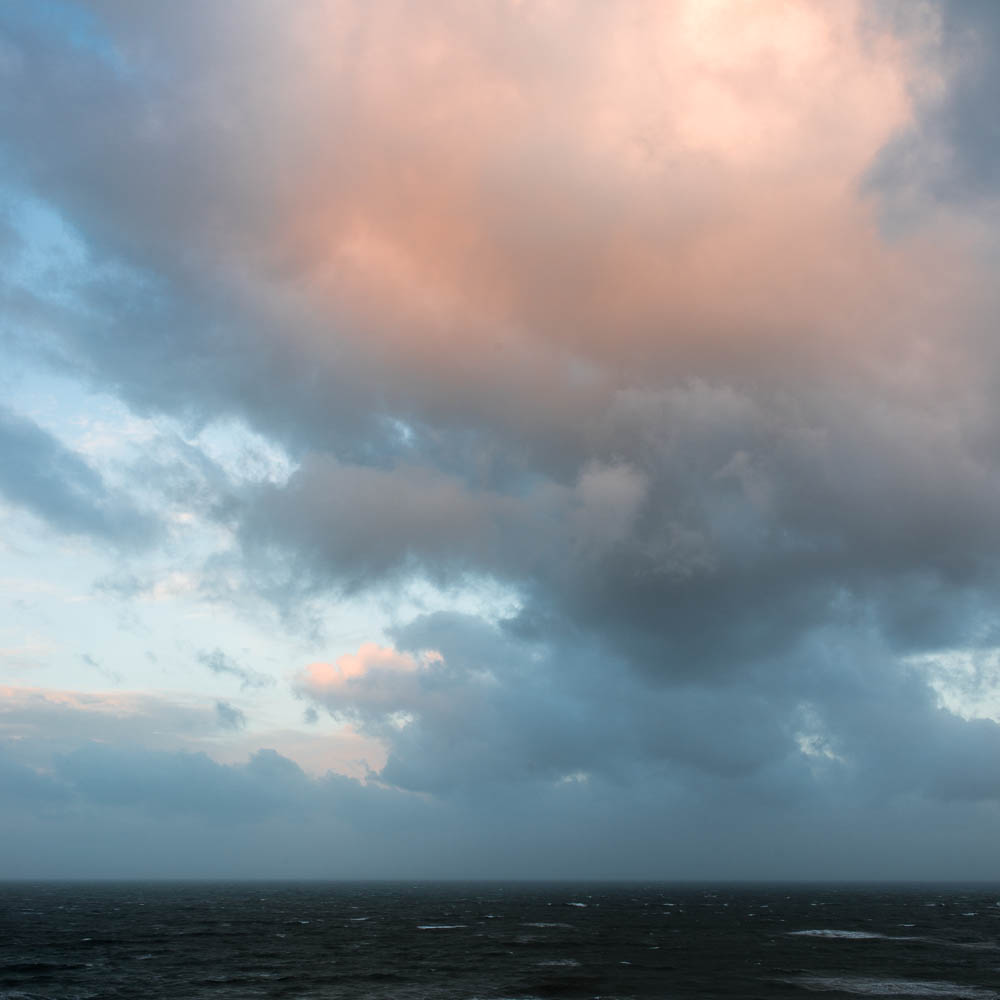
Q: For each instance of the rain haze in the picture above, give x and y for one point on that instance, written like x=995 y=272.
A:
x=499 y=439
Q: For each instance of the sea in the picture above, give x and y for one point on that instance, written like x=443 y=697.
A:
x=494 y=940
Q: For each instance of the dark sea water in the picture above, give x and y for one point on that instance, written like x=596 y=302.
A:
x=492 y=940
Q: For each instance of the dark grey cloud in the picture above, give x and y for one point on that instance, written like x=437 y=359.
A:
x=697 y=551
x=40 y=474
x=489 y=709
x=952 y=153
x=182 y=783
x=106 y=811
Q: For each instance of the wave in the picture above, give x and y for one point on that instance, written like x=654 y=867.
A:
x=849 y=935
x=872 y=987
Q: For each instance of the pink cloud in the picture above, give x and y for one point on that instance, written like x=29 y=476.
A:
x=370 y=658
x=639 y=185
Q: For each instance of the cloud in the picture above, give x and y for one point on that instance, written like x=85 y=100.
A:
x=490 y=709
x=356 y=670
x=230 y=717
x=219 y=663
x=114 y=808
x=491 y=259
x=112 y=675
x=598 y=304
x=25 y=787
x=949 y=155
x=49 y=720
x=182 y=783
x=43 y=476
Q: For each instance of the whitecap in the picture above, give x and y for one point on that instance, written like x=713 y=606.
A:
x=542 y=923
x=438 y=927
x=870 y=986
x=971 y=945
x=847 y=935
x=576 y=904
x=567 y=963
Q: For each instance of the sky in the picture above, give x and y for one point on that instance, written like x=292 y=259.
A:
x=499 y=439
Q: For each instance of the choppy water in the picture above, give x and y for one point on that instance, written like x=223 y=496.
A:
x=492 y=940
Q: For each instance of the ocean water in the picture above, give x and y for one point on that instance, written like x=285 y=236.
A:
x=416 y=941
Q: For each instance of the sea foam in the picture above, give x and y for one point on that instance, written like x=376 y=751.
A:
x=847 y=935
x=874 y=987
